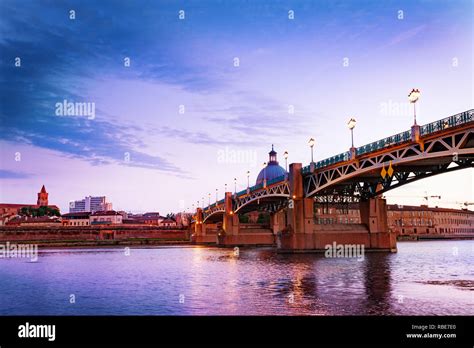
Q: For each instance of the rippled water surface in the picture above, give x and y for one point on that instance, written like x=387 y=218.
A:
x=429 y=277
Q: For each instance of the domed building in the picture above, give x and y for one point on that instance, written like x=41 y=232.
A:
x=272 y=169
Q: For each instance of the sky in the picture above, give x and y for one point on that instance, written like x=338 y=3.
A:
x=188 y=95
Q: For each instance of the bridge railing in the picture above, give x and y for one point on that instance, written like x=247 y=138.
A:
x=400 y=138
x=277 y=179
x=327 y=162
x=213 y=205
x=259 y=186
x=448 y=122
x=388 y=141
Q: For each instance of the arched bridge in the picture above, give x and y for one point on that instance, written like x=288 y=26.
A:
x=370 y=170
x=362 y=173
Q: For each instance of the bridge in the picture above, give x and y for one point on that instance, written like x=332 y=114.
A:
x=362 y=174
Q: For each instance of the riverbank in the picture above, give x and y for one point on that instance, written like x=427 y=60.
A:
x=87 y=236
x=103 y=243
x=434 y=237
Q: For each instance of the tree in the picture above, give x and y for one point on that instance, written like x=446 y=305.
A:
x=41 y=211
x=25 y=211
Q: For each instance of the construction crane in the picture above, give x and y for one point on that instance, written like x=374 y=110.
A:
x=426 y=197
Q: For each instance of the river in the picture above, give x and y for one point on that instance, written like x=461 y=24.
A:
x=422 y=278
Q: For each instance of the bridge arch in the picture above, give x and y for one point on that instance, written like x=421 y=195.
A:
x=214 y=216
x=274 y=195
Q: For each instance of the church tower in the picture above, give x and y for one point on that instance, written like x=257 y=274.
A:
x=42 y=197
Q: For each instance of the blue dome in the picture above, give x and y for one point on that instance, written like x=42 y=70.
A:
x=272 y=170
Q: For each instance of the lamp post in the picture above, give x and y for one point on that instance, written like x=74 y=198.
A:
x=217 y=190
x=351 y=124
x=286 y=160
x=311 y=145
x=413 y=97
x=235 y=186
x=248 y=179
x=225 y=188
x=264 y=174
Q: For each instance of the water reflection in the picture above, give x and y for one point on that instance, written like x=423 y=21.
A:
x=254 y=282
x=377 y=284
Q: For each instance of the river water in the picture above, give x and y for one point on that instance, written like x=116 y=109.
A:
x=423 y=278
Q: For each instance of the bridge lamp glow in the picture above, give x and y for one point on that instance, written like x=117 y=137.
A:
x=413 y=98
x=311 y=145
x=351 y=124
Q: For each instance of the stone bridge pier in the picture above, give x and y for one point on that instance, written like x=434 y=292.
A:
x=202 y=233
x=233 y=233
x=302 y=234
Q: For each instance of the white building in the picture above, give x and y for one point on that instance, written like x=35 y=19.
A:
x=90 y=204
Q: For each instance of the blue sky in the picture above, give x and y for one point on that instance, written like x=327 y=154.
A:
x=333 y=61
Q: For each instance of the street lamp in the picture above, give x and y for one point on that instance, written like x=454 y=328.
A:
x=235 y=185
x=209 y=199
x=286 y=160
x=225 y=188
x=248 y=179
x=413 y=98
x=216 y=194
x=351 y=124
x=264 y=174
x=311 y=145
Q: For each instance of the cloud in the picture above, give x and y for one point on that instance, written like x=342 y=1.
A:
x=202 y=138
x=260 y=118
x=58 y=59
x=406 y=35
x=8 y=174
